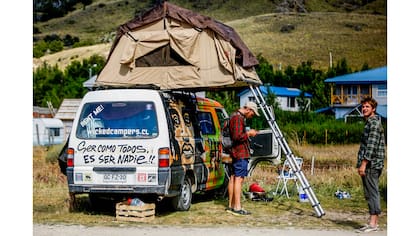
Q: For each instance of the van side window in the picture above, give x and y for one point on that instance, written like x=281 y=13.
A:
x=206 y=123
x=221 y=115
x=118 y=120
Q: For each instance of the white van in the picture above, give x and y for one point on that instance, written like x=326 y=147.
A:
x=146 y=143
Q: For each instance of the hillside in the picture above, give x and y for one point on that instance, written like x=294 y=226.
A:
x=284 y=38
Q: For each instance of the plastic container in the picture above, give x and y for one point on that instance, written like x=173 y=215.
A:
x=135 y=202
x=302 y=195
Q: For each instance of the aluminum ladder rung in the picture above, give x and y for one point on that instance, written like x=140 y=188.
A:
x=286 y=149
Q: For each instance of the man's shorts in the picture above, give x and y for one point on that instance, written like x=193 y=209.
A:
x=240 y=167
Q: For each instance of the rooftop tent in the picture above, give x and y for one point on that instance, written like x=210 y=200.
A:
x=174 y=48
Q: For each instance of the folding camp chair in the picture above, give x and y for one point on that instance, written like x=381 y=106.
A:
x=285 y=174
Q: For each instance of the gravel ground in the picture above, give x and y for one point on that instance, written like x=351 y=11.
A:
x=71 y=230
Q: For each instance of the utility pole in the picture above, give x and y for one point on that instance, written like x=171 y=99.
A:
x=331 y=59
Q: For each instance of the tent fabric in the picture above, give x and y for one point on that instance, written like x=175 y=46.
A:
x=175 y=48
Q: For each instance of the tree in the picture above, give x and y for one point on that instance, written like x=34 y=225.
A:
x=47 y=82
x=265 y=70
x=52 y=84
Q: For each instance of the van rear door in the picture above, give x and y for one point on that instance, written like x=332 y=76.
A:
x=116 y=141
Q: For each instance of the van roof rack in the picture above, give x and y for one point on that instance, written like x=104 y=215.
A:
x=128 y=86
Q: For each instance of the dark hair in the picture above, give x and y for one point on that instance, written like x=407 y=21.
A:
x=371 y=101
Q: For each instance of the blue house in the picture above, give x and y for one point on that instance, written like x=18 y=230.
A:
x=347 y=91
x=286 y=97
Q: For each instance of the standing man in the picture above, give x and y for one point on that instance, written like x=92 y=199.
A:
x=370 y=161
x=240 y=153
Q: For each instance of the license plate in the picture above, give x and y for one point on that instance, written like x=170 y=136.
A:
x=115 y=178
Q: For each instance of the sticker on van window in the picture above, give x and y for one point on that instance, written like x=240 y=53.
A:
x=89 y=118
x=119 y=132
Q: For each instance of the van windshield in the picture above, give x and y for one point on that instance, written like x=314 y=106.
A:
x=117 y=120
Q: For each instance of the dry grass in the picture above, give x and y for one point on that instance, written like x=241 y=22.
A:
x=50 y=199
x=64 y=58
x=314 y=36
x=359 y=38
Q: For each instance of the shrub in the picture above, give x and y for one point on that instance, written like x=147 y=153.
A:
x=56 y=46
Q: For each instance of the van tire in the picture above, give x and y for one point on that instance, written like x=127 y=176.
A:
x=182 y=202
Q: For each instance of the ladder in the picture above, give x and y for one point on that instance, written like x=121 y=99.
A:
x=51 y=108
x=286 y=149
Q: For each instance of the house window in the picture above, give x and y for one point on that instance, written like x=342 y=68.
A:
x=350 y=90
x=54 y=132
x=382 y=90
x=252 y=99
x=350 y=94
x=291 y=102
x=364 y=90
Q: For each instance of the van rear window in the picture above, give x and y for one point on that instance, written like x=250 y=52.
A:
x=117 y=120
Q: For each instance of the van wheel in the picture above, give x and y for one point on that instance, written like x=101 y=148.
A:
x=182 y=202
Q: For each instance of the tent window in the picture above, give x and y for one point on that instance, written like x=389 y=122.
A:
x=163 y=56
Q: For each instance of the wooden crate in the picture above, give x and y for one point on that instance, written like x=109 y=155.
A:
x=143 y=213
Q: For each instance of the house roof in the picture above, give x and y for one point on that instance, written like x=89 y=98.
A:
x=372 y=76
x=68 y=109
x=49 y=122
x=280 y=91
x=42 y=110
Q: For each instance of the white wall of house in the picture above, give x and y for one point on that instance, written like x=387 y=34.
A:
x=249 y=96
x=379 y=93
x=286 y=103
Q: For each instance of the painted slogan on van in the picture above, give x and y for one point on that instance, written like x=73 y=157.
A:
x=113 y=154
